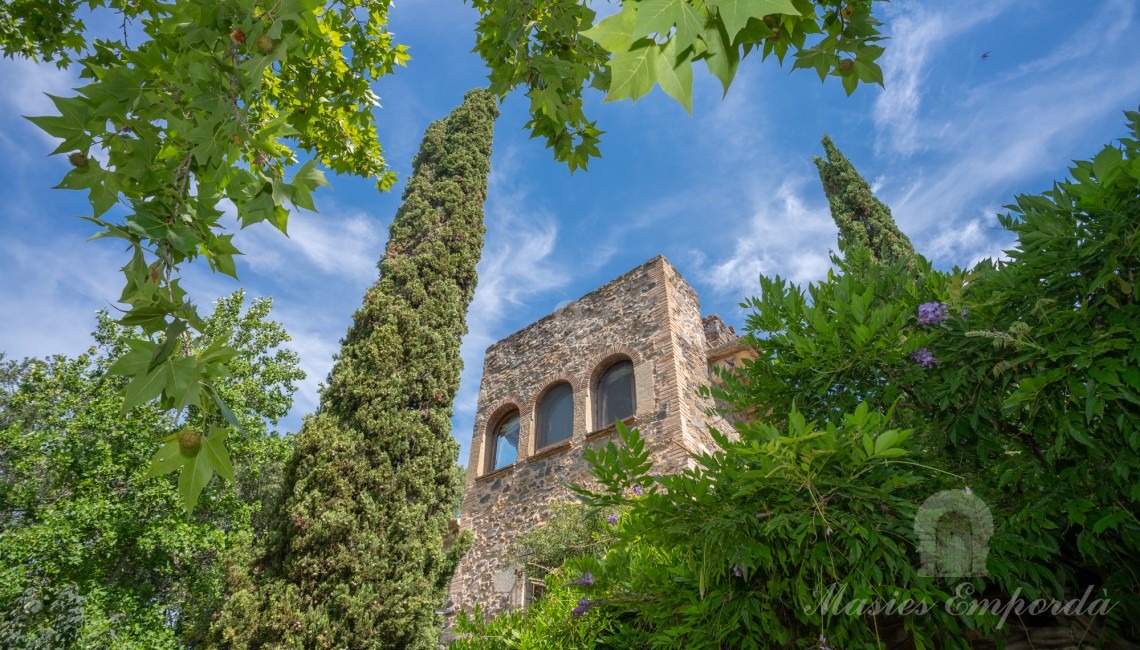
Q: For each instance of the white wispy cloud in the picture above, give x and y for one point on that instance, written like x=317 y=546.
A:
x=316 y=348
x=55 y=281
x=786 y=235
x=967 y=242
x=735 y=125
x=317 y=276
x=27 y=85
x=24 y=92
x=50 y=300
x=917 y=32
x=1002 y=136
x=512 y=272
x=332 y=244
x=986 y=136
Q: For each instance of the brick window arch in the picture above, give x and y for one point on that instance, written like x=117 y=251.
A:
x=555 y=415
x=503 y=441
x=614 y=394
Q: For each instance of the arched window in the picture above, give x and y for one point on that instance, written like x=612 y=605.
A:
x=555 y=415
x=614 y=398
x=504 y=443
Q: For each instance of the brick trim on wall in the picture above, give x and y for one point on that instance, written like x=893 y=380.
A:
x=607 y=358
x=549 y=381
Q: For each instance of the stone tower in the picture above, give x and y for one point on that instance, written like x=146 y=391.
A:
x=635 y=349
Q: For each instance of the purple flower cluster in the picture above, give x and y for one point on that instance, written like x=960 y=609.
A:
x=637 y=491
x=613 y=519
x=924 y=357
x=932 y=313
x=582 y=608
x=587 y=580
x=737 y=571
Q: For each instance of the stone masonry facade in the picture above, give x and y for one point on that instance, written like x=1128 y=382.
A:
x=649 y=316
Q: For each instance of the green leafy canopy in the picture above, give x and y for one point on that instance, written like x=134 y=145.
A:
x=94 y=551
x=556 y=50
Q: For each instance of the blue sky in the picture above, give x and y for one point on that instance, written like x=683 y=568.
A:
x=726 y=194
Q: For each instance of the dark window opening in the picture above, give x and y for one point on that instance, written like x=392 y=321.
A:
x=615 y=395
x=535 y=592
x=555 y=416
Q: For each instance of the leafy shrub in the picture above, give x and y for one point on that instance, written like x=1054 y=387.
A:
x=94 y=552
x=548 y=624
x=571 y=530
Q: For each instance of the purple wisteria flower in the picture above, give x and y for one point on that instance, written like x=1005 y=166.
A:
x=737 y=571
x=613 y=519
x=924 y=357
x=932 y=313
x=823 y=643
x=637 y=491
x=582 y=608
x=587 y=580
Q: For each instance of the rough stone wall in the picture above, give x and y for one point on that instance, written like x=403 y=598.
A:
x=717 y=333
x=650 y=316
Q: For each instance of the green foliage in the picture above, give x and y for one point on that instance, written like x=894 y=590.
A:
x=555 y=50
x=741 y=550
x=359 y=554
x=544 y=625
x=31 y=623
x=1031 y=399
x=570 y=530
x=211 y=106
x=1052 y=352
x=747 y=548
x=816 y=344
x=861 y=217
x=92 y=551
x=38 y=29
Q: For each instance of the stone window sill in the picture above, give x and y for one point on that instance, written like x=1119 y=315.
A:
x=550 y=450
x=631 y=422
x=497 y=473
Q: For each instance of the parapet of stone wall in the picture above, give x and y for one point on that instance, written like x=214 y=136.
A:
x=717 y=333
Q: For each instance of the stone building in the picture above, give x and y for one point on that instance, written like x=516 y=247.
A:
x=635 y=349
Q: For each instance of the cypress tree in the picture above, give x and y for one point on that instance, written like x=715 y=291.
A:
x=860 y=216
x=358 y=554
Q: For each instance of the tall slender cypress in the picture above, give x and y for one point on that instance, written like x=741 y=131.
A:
x=860 y=216
x=358 y=554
